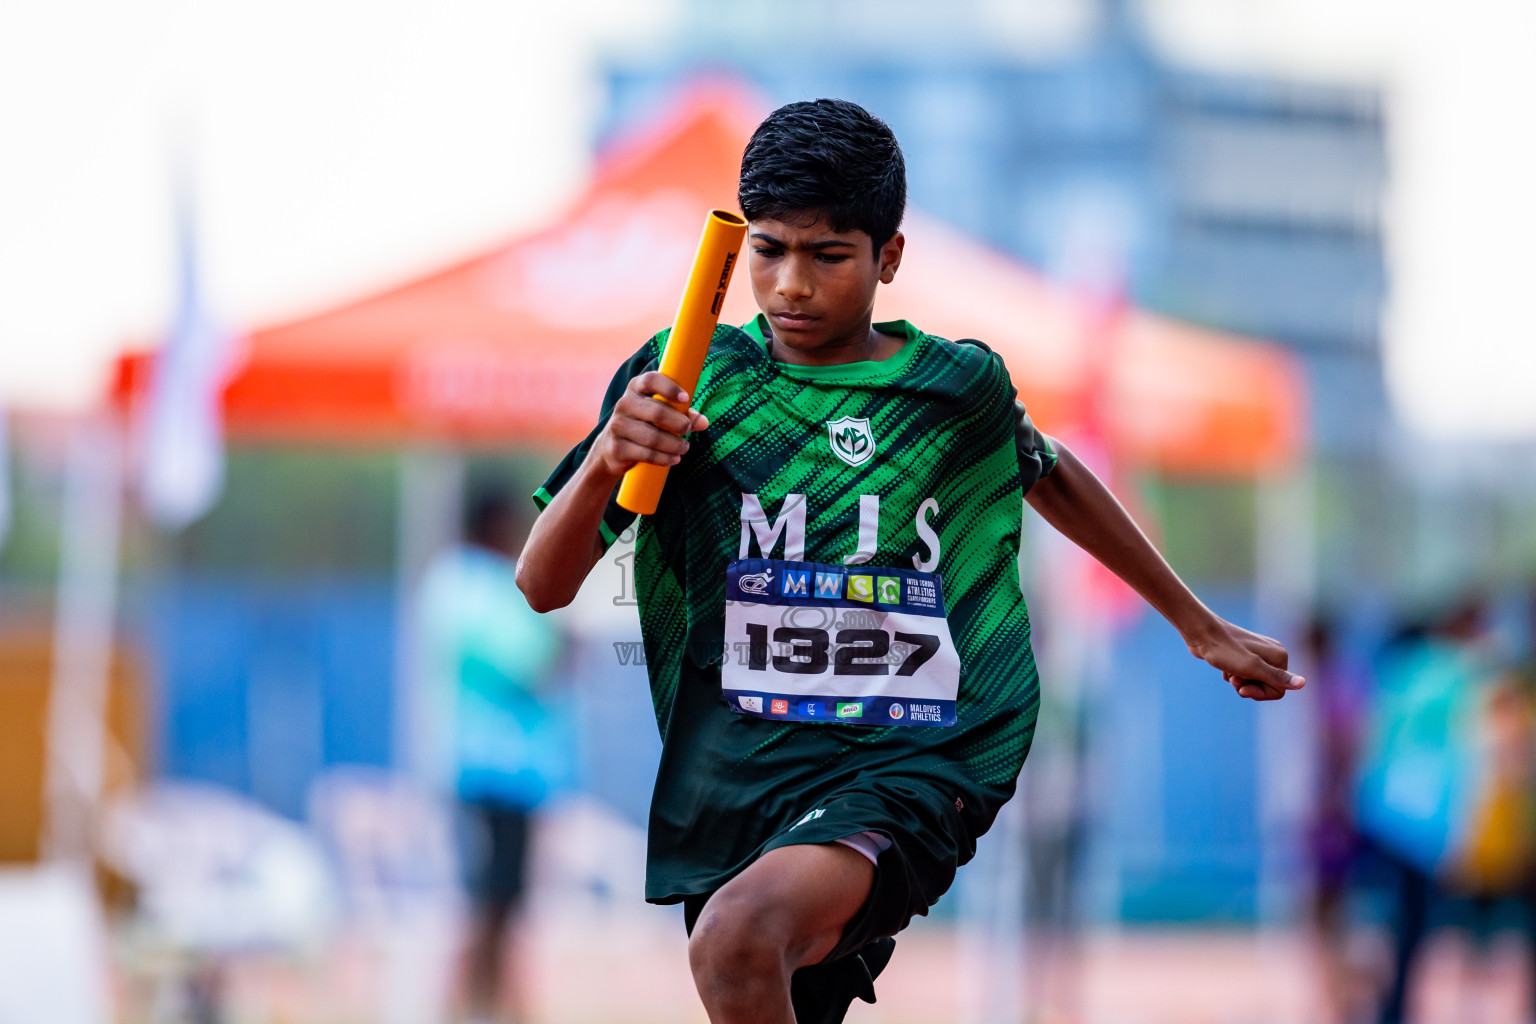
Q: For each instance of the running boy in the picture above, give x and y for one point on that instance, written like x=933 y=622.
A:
x=838 y=649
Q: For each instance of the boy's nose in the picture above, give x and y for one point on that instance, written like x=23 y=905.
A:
x=794 y=282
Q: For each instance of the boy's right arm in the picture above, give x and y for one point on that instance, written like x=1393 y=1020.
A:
x=566 y=542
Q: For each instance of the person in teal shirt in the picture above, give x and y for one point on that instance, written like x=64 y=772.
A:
x=490 y=659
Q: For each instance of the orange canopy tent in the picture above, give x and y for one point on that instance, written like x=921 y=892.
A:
x=517 y=345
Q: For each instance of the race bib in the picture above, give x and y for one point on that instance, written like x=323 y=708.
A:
x=808 y=642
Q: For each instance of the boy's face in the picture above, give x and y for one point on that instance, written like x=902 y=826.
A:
x=816 y=285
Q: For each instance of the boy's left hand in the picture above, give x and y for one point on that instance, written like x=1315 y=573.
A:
x=1254 y=664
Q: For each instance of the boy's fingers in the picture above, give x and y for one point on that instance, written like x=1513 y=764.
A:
x=661 y=414
x=1253 y=689
x=654 y=382
x=697 y=421
x=1276 y=674
x=1269 y=663
x=632 y=452
x=1259 y=691
x=1263 y=671
x=1261 y=675
x=646 y=436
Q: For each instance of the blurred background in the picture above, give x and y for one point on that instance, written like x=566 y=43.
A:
x=302 y=300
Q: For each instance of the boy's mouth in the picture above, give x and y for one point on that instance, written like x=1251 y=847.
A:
x=793 y=321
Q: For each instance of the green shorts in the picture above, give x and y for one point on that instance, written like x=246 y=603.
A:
x=928 y=842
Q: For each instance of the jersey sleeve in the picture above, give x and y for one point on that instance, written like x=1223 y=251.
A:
x=615 y=519
x=1036 y=456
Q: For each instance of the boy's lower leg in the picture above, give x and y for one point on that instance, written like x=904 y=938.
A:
x=784 y=912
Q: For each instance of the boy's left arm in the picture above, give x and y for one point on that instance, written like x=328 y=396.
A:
x=1074 y=501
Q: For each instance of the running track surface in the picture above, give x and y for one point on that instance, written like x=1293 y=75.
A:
x=631 y=968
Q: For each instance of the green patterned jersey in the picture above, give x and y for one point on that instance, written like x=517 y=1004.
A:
x=917 y=465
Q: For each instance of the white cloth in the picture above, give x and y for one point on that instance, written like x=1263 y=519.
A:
x=183 y=461
x=870 y=844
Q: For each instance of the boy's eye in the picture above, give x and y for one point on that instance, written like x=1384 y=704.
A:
x=767 y=250
x=831 y=257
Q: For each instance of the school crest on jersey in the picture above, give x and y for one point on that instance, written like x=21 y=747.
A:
x=852 y=440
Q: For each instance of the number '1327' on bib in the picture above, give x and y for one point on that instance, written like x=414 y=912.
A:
x=808 y=642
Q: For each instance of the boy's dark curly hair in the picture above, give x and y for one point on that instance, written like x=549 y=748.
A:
x=826 y=157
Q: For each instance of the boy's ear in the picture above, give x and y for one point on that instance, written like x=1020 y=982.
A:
x=890 y=257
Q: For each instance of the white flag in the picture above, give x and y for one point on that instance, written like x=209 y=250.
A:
x=183 y=461
x=5 y=479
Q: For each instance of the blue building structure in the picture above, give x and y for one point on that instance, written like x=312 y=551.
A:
x=1244 y=204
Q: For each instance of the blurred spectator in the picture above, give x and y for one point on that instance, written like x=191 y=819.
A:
x=1339 y=692
x=489 y=658
x=1445 y=784
x=1496 y=858
x=1492 y=867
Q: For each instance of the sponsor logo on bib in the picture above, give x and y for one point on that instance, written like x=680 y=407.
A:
x=851 y=440
x=853 y=709
x=925 y=712
x=889 y=590
x=897 y=711
x=757 y=582
x=752 y=704
x=860 y=588
x=780 y=707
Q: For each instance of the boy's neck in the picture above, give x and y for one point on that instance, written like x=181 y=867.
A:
x=864 y=344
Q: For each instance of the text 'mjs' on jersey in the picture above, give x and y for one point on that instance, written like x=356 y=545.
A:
x=916 y=463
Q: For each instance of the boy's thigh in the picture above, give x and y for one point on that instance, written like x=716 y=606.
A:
x=928 y=840
x=800 y=897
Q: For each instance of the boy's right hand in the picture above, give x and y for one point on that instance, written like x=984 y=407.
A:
x=641 y=429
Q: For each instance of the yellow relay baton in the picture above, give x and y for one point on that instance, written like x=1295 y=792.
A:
x=688 y=344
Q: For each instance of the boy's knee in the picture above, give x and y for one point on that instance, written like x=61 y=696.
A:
x=788 y=910
x=737 y=940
